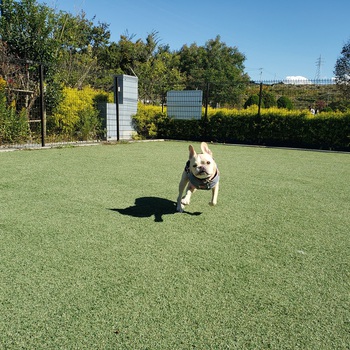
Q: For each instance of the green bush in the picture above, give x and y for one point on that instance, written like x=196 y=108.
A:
x=275 y=127
x=253 y=100
x=329 y=131
x=14 y=126
x=76 y=116
x=284 y=102
x=147 y=120
x=269 y=99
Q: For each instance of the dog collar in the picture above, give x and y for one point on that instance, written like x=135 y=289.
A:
x=202 y=184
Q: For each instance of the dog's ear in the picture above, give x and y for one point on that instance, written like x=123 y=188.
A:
x=205 y=148
x=192 y=152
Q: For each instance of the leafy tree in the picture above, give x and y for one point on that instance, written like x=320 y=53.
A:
x=218 y=65
x=269 y=99
x=253 y=100
x=342 y=70
x=132 y=54
x=158 y=75
x=108 y=59
x=81 y=42
x=284 y=102
x=154 y=65
x=27 y=28
x=28 y=32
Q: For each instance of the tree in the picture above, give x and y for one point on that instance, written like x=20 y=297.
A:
x=155 y=66
x=80 y=44
x=28 y=29
x=342 y=70
x=217 y=65
x=158 y=75
x=269 y=99
x=284 y=102
x=253 y=100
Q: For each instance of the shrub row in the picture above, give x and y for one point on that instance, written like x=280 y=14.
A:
x=274 y=127
x=76 y=116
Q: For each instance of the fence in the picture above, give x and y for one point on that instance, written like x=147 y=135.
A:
x=23 y=114
x=320 y=95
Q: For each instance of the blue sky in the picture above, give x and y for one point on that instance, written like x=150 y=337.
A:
x=279 y=38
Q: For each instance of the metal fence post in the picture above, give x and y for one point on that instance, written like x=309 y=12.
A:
x=206 y=102
x=260 y=98
x=42 y=105
x=116 y=101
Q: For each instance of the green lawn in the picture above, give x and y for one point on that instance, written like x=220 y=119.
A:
x=93 y=255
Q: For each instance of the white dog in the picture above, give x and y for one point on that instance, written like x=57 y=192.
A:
x=201 y=172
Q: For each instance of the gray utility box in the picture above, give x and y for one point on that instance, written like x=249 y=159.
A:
x=127 y=98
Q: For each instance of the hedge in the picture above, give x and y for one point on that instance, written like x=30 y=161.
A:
x=274 y=127
x=76 y=117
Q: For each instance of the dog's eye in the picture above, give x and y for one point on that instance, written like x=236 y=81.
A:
x=195 y=165
x=208 y=162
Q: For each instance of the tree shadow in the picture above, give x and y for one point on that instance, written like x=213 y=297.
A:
x=148 y=206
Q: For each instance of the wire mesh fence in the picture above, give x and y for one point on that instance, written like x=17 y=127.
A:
x=21 y=103
x=28 y=120
x=318 y=95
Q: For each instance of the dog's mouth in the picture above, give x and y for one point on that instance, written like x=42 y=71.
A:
x=202 y=174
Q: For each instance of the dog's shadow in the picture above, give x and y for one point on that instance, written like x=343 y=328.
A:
x=148 y=206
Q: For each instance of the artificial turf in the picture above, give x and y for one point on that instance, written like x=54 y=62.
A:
x=93 y=255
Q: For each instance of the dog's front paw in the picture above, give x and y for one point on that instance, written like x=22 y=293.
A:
x=185 y=201
x=180 y=207
x=212 y=204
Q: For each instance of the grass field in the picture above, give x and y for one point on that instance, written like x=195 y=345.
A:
x=93 y=255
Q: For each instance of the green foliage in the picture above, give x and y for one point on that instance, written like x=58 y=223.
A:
x=303 y=95
x=342 y=70
x=269 y=99
x=252 y=100
x=81 y=43
x=13 y=125
x=284 y=102
x=329 y=130
x=78 y=53
x=76 y=116
x=217 y=64
x=339 y=106
x=175 y=129
x=147 y=121
x=276 y=127
x=27 y=27
x=158 y=75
